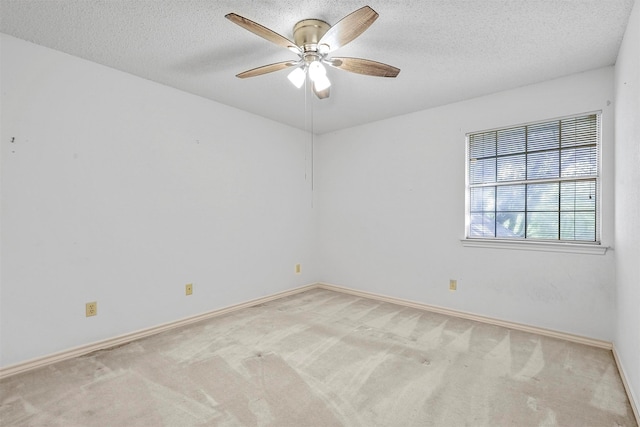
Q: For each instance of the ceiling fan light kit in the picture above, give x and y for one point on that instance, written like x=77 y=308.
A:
x=313 y=40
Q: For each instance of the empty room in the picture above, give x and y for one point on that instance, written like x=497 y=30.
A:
x=243 y=213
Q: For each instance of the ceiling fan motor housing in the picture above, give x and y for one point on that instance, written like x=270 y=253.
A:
x=308 y=32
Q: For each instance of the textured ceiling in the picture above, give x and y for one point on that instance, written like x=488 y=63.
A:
x=448 y=50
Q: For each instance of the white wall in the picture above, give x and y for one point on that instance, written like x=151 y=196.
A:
x=390 y=206
x=120 y=190
x=627 y=182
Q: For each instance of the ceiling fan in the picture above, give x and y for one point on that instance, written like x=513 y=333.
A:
x=313 y=40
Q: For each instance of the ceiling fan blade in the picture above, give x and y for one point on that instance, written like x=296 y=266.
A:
x=348 y=28
x=262 y=31
x=321 y=94
x=364 y=66
x=266 y=69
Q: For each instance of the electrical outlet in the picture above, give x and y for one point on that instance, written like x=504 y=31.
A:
x=453 y=285
x=188 y=289
x=298 y=268
x=91 y=309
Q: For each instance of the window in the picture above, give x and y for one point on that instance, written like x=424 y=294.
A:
x=536 y=182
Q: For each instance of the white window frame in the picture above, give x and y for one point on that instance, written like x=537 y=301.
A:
x=527 y=243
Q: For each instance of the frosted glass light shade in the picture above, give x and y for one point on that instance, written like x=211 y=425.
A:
x=297 y=77
x=316 y=70
x=321 y=83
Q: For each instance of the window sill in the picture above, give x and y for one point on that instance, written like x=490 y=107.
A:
x=576 y=248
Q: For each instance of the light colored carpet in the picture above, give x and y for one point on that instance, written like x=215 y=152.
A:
x=323 y=358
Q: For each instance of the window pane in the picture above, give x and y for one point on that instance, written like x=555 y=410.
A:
x=510 y=198
x=511 y=168
x=511 y=141
x=543 y=136
x=482 y=145
x=482 y=225
x=543 y=165
x=482 y=171
x=483 y=199
x=543 y=197
x=542 y=225
x=578 y=196
x=579 y=130
x=510 y=225
x=579 y=161
x=578 y=226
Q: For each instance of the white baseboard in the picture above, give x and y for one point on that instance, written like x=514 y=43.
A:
x=126 y=338
x=632 y=398
x=498 y=322
x=470 y=316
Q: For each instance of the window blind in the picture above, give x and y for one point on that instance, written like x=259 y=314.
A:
x=536 y=181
